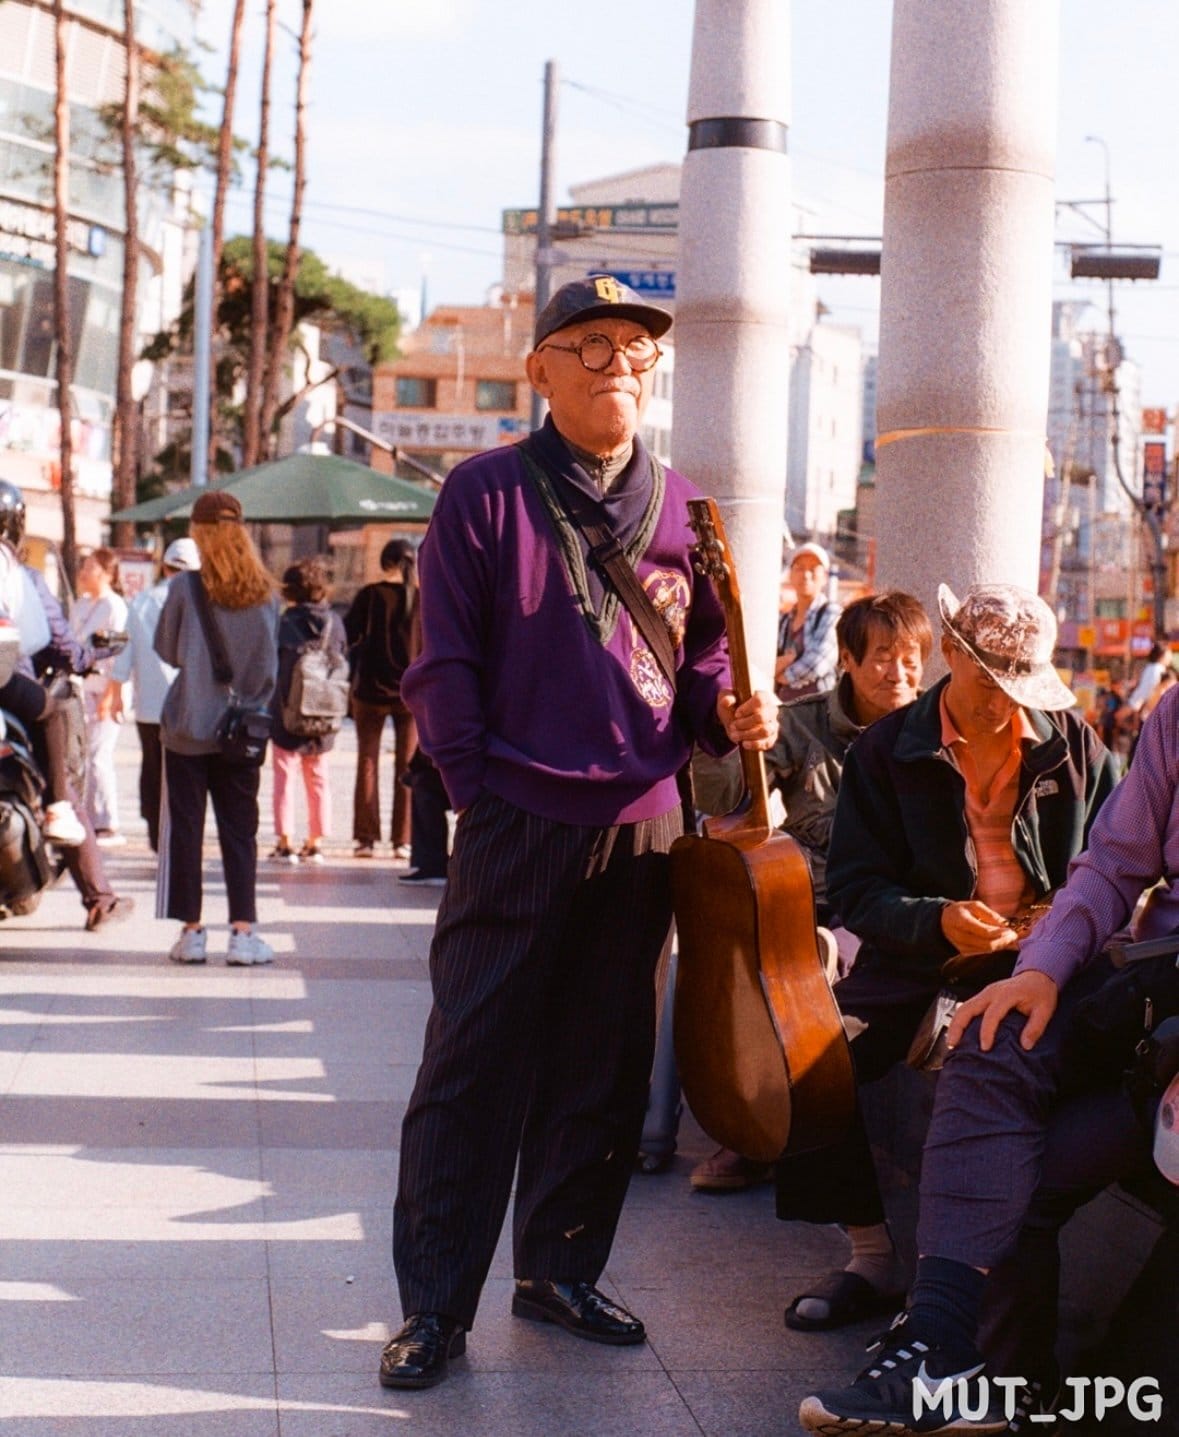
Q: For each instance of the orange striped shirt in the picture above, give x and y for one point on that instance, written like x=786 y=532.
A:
x=1002 y=884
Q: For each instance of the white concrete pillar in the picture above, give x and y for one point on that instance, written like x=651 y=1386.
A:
x=732 y=359
x=966 y=293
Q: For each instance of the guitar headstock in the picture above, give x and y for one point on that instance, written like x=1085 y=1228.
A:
x=710 y=556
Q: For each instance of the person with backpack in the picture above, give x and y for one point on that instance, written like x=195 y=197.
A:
x=222 y=617
x=311 y=699
x=380 y=626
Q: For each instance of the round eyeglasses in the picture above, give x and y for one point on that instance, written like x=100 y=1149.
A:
x=597 y=351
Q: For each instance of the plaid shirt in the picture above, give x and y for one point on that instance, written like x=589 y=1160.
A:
x=816 y=667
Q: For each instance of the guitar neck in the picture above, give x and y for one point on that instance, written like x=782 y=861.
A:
x=753 y=768
x=715 y=559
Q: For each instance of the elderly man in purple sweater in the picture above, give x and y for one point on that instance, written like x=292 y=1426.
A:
x=1026 y=1126
x=559 y=737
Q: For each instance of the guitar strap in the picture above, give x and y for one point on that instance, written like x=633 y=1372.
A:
x=222 y=669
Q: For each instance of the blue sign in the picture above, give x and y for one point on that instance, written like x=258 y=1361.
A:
x=655 y=282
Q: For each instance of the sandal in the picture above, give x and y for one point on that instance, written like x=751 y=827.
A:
x=849 y=1298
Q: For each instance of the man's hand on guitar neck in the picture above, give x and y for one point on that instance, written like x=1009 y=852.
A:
x=753 y=724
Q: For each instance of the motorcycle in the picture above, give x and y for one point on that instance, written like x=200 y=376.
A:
x=28 y=862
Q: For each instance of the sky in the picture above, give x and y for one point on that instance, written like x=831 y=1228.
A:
x=425 y=119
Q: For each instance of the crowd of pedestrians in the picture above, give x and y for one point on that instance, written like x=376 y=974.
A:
x=551 y=674
x=156 y=660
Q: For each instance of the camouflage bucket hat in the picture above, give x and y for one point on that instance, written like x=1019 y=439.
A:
x=1011 y=634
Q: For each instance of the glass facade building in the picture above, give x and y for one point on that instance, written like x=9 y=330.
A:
x=96 y=70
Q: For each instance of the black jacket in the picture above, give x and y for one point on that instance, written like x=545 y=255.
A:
x=379 y=626
x=900 y=846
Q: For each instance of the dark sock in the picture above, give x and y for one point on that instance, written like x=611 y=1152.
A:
x=945 y=1302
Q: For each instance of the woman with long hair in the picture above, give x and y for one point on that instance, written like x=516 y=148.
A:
x=244 y=609
x=380 y=629
x=306 y=585
x=100 y=609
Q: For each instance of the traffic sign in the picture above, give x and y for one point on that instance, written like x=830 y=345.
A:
x=655 y=282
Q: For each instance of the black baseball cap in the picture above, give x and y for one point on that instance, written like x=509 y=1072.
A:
x=598 y=296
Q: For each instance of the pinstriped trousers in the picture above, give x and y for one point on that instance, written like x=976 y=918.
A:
x=538 y=1047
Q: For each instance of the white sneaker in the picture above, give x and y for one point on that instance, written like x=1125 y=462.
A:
x=63 y=827
x=190 y=947
x=246 y=948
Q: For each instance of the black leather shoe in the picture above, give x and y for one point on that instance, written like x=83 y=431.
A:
x=418 y=1354
x=579 y=1308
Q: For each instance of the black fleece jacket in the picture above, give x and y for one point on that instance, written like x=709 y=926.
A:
x=900 y=846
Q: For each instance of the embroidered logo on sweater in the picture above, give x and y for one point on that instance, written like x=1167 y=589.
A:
x=668 y=592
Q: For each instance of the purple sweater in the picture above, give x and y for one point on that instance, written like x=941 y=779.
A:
x=1133 y=843
x=514 y=692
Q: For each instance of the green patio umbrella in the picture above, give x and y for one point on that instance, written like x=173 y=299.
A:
x=302 y=489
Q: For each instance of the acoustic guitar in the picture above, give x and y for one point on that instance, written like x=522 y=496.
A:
x=760 y=1045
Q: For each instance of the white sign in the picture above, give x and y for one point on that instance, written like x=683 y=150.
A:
x=423 y=429
x=28 y=234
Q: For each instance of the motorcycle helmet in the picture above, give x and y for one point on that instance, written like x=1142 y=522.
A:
x=12 y=513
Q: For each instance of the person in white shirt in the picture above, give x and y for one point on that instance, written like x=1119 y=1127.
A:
x=100 y=609
x=150 y=678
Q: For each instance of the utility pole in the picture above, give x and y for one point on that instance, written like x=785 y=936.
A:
x=547 y=211
x=1152 y=515
x=202 y=364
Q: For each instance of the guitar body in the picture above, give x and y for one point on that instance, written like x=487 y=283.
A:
x=759 y=1041
x=763 y=1059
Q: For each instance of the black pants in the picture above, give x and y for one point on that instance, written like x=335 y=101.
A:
x=428 y=807
x=84 y=862
x=838 y=1184
x=151 y=779
x=539 y=1044
x=39 y=712
x=190 y=780
x=1092 y=1140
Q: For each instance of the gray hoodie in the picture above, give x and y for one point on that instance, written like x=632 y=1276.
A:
x=196 y=701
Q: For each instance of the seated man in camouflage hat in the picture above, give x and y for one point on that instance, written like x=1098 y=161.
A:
x=955 y=815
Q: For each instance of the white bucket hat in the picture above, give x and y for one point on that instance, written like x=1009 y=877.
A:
x=1011 y=634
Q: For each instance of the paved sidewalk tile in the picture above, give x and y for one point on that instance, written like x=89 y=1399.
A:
x=198 y=1165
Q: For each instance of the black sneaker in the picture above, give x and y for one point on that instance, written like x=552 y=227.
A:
x=416 y=877
x=1035 y=1407
x=912 y=1386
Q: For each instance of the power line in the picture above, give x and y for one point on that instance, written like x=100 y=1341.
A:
x=627 y=104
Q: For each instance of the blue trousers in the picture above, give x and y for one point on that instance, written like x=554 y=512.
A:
x=984 y=1157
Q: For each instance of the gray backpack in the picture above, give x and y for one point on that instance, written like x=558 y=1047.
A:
x=316 y=701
